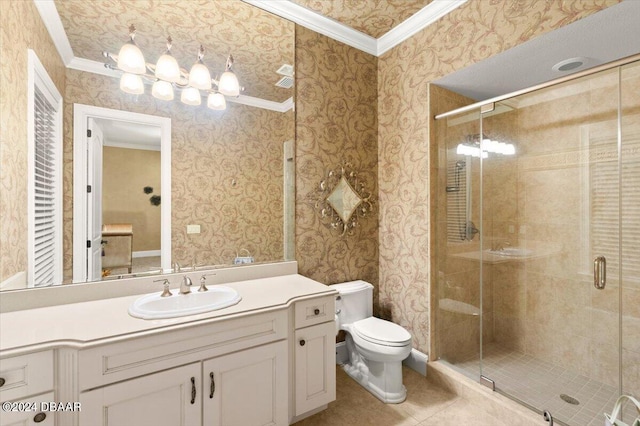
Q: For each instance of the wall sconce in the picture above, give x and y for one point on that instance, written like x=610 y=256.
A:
x=166 y=75
x=340 y=200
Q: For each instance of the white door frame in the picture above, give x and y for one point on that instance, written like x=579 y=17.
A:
x=81 y=113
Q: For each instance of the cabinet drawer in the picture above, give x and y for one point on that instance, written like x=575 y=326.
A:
x=26 y=375
x=315 y=311
x=143 y=355
x=31 y=417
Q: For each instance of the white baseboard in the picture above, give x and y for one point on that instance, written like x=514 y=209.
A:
x=417 y=361
x=148 y=253
x=15 y=282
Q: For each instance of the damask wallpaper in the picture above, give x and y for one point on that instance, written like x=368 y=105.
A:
x=475 y=31
x=336 y=122
x=226 y=172
x=20 y=29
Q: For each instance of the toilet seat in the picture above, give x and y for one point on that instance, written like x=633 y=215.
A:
x=381 y=332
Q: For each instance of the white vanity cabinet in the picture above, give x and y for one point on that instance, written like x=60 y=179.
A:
x=247 y=388
x=167 y=398
x=315 y=357
x=27 y=382
x=269 y=360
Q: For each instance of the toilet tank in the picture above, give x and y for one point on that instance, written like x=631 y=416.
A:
x=356 y=301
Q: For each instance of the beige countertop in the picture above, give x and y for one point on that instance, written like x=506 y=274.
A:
x=90 y=323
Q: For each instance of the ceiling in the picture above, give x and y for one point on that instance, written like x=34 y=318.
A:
x=603 y=37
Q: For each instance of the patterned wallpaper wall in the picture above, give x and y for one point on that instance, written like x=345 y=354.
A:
x=475 y=31
x=20 y=29
x=336 y=122
x=226 y=172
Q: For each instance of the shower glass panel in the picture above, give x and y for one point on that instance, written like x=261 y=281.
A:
x=550 y=210
x=551 y=181
x=630 y=235
x=458 y=259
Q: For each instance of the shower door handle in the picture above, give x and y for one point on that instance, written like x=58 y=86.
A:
x=599 y=272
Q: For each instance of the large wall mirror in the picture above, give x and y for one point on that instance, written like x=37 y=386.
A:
x=189 y=185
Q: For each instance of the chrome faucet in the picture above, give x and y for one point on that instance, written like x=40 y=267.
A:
x=185 y=285
x=176 y=267
x=165 y=292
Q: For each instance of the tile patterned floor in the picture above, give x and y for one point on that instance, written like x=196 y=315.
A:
x=540 y=384
x=426 y=405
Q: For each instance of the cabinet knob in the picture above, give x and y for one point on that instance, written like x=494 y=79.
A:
x=302 y=342
x=316 y=311
x=39 y=418
x=2 y=382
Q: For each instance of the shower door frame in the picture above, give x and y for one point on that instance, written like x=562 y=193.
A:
x=489 y=105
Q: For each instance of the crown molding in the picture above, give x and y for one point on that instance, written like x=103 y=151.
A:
x=51 y=19
x=318 y=23
x=416 y=23
x=347 y=35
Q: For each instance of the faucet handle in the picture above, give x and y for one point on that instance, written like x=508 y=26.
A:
x=165 y=292
x=176 y=267
x=203 y=280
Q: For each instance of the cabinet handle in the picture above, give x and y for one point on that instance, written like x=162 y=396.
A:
x=2 y=382
x=302 y=342
x=213 y=385
x=38 y=418
x=193 y=390
x=316 y=311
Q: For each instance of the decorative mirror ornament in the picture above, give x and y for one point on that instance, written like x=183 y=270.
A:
x=341 y=199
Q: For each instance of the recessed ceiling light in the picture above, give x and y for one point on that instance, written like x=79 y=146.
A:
x=569 y=64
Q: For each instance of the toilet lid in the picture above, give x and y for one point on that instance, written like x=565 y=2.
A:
x=381 y=332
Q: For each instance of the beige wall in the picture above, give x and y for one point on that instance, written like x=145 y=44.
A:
x=125 y=173
x=336 y=122
x=475 y=31
x=20 y=29
x=226 y=171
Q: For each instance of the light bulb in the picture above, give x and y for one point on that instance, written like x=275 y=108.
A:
x=131 y=83
x=216 y=101
x=190 y=96
x=228 y=84
x=162 y=90
x=130 y=58
x=167 y=68
x=199 y=76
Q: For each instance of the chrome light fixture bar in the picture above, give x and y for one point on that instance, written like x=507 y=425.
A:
x=166 y=75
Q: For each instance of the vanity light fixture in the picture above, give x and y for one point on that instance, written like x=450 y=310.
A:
x=166 y=75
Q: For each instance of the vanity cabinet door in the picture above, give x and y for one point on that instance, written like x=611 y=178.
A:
x=30 y=416
x=315 y=366
x=168 y=398
x=247 y=388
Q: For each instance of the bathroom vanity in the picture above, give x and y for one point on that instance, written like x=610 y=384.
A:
x=270 y=359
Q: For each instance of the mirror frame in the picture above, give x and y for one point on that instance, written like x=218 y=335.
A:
x=81 y=114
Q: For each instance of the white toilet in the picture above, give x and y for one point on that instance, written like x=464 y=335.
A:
x=376 y=347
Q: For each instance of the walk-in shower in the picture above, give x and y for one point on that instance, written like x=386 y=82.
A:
x=544 y=302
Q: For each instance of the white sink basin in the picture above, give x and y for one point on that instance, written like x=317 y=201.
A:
x=512 y=252
x=152 y=306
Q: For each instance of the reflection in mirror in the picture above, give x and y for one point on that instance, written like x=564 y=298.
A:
x=227 y=192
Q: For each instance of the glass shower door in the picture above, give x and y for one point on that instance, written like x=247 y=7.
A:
x=551 y=248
